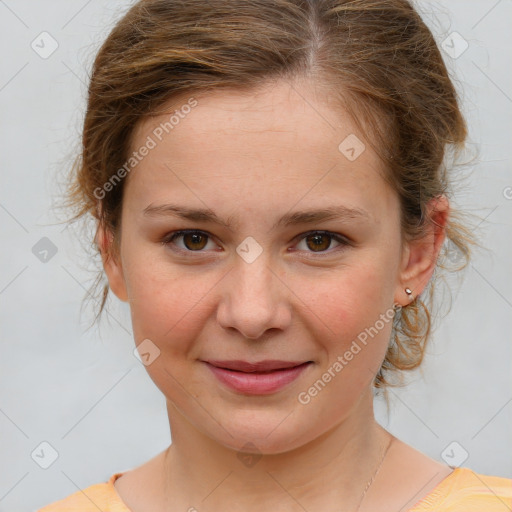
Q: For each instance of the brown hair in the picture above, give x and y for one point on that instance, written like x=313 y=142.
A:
x=377 y=58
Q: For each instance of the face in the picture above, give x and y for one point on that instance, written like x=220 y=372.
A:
x=259 y=277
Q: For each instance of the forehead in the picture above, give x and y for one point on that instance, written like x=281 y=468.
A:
x=300 y=110
x=278 y=143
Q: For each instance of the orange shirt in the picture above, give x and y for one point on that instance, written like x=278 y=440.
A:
x=462 y=490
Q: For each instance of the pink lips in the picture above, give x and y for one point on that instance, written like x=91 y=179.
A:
x=259 y=378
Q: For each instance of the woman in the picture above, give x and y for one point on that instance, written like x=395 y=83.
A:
x=271 y=199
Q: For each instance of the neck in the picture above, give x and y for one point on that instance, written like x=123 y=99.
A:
x=330 y=471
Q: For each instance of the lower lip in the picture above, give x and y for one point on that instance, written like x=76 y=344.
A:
x=257 y=383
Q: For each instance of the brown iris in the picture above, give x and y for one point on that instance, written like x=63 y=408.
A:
x=317 y=244
x=194 y=241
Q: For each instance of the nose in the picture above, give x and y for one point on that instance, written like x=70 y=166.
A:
x=254 y=299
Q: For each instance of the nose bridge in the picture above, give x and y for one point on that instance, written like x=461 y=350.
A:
x=253 y=301
x=253 y=280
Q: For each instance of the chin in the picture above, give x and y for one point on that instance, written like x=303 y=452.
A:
x=265 y=433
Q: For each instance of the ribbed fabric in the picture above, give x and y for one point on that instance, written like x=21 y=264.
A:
x=96 y=497
x=462 y=490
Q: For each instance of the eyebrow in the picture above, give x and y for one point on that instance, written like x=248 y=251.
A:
x=336 y=212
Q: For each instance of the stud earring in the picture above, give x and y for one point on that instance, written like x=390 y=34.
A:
x=408 y=291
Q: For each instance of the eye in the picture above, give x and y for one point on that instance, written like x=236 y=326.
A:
x=193 y=240
x=320 y=241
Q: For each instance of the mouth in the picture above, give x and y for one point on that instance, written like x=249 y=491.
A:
x=257 y=378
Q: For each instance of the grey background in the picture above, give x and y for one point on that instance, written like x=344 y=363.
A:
x=86 y=394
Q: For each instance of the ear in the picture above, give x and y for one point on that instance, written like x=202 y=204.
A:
x=419 y=256
x=111 y=262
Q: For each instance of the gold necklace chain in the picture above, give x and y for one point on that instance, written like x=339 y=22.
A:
x=368 y=485
x=374 y=474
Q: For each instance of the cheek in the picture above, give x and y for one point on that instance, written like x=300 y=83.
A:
x=166 y=305
x=351 y=314
x=349 y=299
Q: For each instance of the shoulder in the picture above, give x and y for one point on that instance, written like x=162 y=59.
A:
x=477 y=492
x=101 y=496
x=444 y=488
x=467 y=491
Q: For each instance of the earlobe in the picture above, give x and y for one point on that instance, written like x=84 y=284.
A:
x=420 y=256
x=111 y=263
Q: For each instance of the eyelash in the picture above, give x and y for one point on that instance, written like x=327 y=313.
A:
x=168 y=239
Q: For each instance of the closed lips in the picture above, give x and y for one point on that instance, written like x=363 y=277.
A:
x=257 y=378
x=267 y=366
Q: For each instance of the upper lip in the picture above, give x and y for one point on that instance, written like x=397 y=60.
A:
x=258 y=366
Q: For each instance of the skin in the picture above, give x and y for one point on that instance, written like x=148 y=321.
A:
x=253 y=158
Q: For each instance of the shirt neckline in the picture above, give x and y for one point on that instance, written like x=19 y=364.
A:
x=432 y=499
x=116 y=504
x=439 y=493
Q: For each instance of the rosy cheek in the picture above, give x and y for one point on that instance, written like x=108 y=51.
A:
x=339 y=304
x=168 y=310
